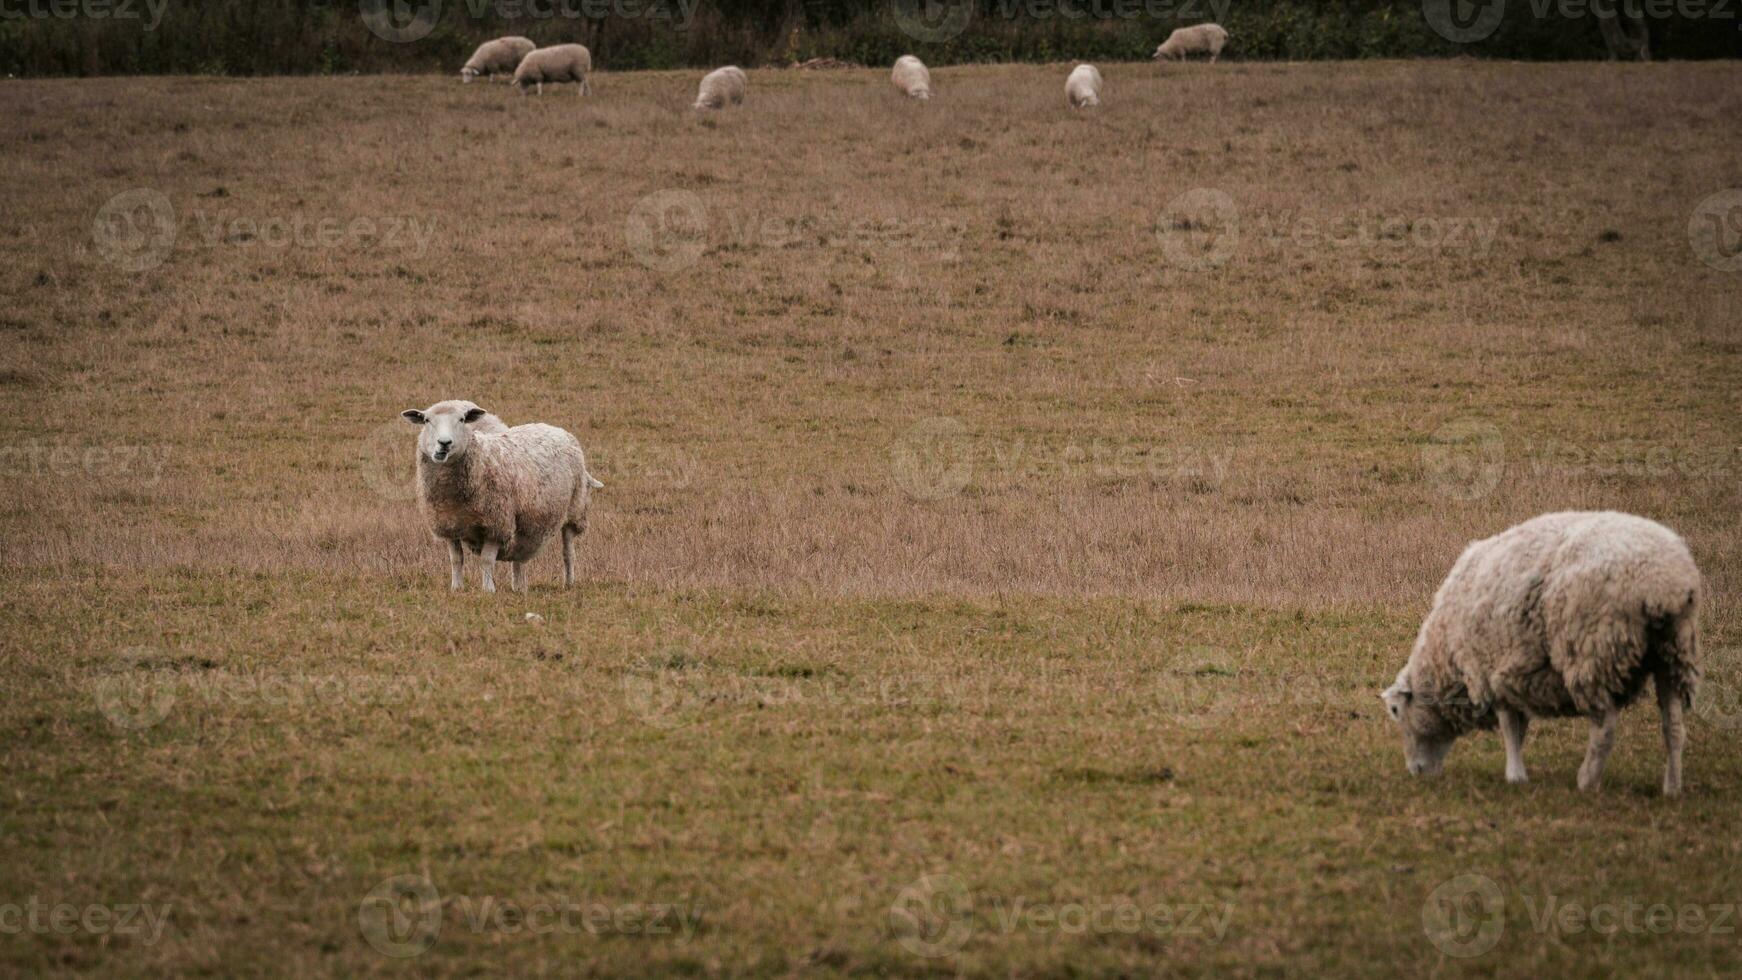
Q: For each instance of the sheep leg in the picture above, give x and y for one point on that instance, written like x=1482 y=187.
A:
x=540 y=88
x=1669 y=703
x=1597 y=753
x=520 y=576
x=568 y=556
x=586 y=87
x=487 y=557
x=1513 y=725
x=457 y=562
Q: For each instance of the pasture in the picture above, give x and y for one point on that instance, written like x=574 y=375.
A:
x=1010 y=516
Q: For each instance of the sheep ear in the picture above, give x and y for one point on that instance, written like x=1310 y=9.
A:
x=473 y=415
x=1396 y=696
x=414 y=416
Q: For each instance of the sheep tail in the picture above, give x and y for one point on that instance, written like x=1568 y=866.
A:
x=1687 y=641
x=595 y=484
x=1677 y=634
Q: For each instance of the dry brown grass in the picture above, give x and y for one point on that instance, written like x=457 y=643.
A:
x=963 y=357
x=1252 y=432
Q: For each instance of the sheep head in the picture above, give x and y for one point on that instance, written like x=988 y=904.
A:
x=1427 y=738
x=446 y=428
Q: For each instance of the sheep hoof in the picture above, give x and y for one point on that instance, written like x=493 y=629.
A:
x=1517 y=777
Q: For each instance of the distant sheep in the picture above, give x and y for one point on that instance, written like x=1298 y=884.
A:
x=721 y=87
x=502 y=492
x=1203 y=39
x=499 y=57
x=911 y=77
x=1564 y=614
x=561 y=63
x=1083 y=87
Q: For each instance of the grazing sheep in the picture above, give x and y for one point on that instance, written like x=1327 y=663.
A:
x=1564 y=614
x=559 y=63
x=499 y=491
x=1203 y=39
x=498 y=57
x=722 y=86
x=1083 y=88
x=911 y=77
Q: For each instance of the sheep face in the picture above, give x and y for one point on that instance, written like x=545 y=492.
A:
x=1426 y=738
x=467 y=74
x=446 y=429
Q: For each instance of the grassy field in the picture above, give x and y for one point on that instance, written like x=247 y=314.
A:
x=1010 y=514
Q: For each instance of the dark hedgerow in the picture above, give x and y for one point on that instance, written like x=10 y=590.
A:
x=263 y=37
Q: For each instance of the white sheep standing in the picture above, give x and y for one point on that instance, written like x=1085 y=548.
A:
x=1083 y=87
x=499 y=491
x=555 y=64
x=1202 y=39
x=722 y=86
x=499 y=57
x=911 y=77
x=1565 y=614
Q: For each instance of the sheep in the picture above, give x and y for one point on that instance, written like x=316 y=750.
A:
x=1565 y=614
x=911 y=77
x=497 y=490
x=1201 y=39
x=722 y=86
x=1083 y=88
x=559 y=63
x=499 y=57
